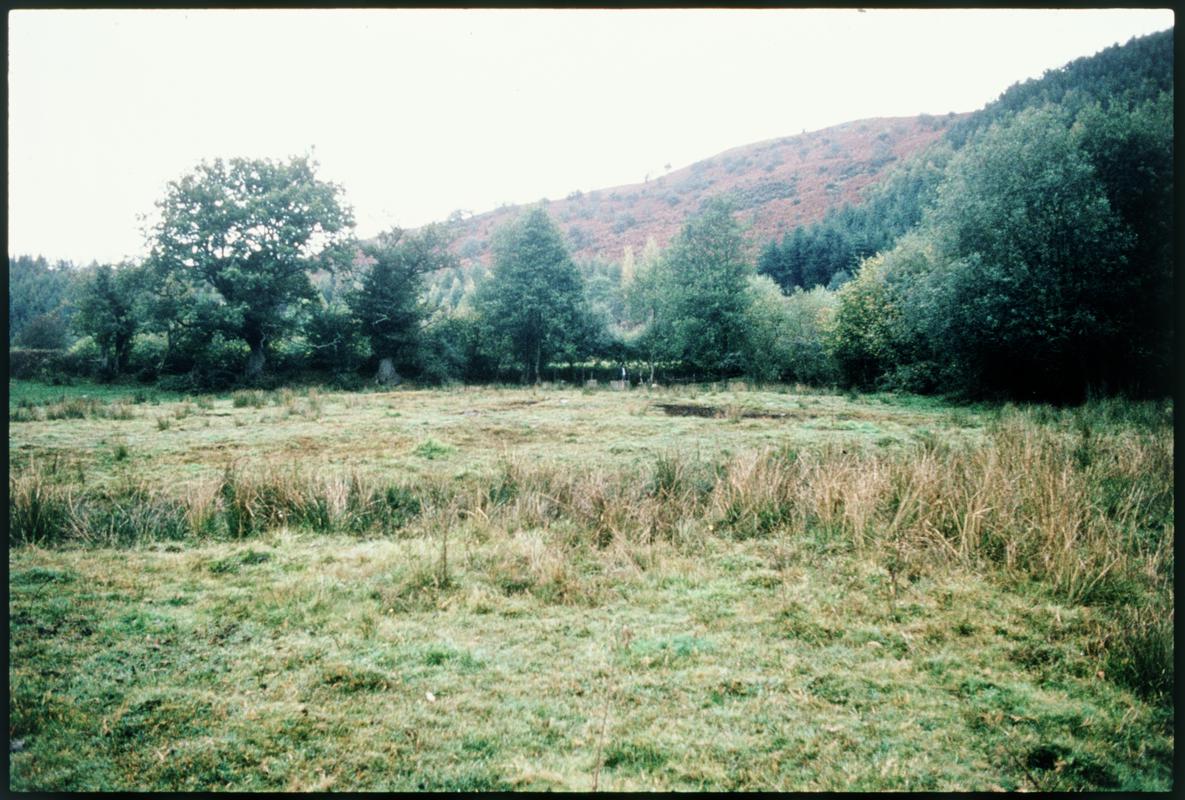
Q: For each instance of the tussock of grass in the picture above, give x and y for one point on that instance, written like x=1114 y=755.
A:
x=1138 y=649
x=253 y=504
x=70 y=408
x=431 y=449
x=248 y=398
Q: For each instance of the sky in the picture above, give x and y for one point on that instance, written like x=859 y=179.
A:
x=417 y=113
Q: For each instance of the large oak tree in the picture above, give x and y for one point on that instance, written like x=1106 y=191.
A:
x=245 y=234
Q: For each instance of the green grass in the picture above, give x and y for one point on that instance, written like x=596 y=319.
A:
x=212 y=666
x=23 y=392
x=539 y=594
x=445 y=433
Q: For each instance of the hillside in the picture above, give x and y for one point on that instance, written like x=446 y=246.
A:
x=776 y=185
x=815 y=181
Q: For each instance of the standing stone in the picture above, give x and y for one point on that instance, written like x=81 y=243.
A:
x=387 y=375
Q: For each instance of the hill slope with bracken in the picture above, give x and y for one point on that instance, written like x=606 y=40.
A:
x=775 y=186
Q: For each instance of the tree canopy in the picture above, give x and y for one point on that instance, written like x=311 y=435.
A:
x=106 y=312
x=246 y=233
x=388 y=304
x=1028 y=254
x=533 y=304
x=706 y=296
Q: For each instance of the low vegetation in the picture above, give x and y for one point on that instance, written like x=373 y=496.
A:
x=559 y=588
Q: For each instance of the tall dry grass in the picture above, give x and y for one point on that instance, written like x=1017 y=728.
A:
x=1069 y=504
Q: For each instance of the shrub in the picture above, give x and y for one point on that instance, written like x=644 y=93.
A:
x=45 y=332
x=147 y=356
x=55 y=366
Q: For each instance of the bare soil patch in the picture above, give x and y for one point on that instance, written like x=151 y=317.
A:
x=693 y=410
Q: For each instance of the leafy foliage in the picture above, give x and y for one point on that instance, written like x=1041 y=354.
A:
x=45 y=332
x=333 y=339
x=105 y=301
x=1041 y=255
x=389 y=305
x=805 y=342
x=1028 y=254
x=235 y=243
x=646 y=284
x=1039 y=272
x=863 y=340
x=1040 y=266
x=767 y=353
x=1117 y=78
x=828 y=252
x=704 y=301
x=39 y=292
x=1132 y=156
x=533 y=305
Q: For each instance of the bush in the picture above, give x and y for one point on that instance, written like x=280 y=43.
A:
x=198 y=363
x=445 y=348
x=54 y=366
x=179 y=383
x=25 y=363
x=45 y=332
x=148 y=353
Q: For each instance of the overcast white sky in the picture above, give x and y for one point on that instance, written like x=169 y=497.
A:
x=417 y=113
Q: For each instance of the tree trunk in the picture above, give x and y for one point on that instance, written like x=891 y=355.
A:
x=255 y=339
x=387 y=376
x=255 y=362
x=166 y=357
x=123 y=353
x=537 y=357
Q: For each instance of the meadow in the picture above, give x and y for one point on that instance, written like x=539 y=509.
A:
x=717 y=587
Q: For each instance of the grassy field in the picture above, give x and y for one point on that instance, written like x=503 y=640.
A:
x=688 y=588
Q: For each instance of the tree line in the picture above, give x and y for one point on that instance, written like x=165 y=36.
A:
x=1030 y=255
x=1027 y=254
